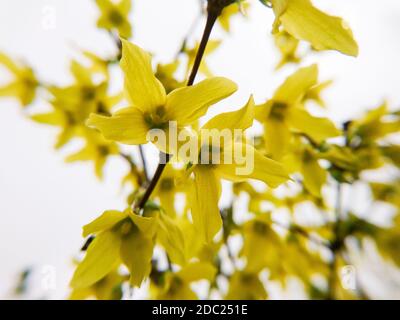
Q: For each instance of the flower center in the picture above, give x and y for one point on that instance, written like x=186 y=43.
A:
x=278 y=110
x=157 y=119
x=115 y=17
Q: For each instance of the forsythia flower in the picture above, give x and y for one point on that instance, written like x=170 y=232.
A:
x=305 y=22
x=230 y=11
x=285 y=113
x=287 y=46
x=246 y=286
x=150 y=106
x=177 y=285
x=206 y=193
x=119 y=237
x=96 y=149
x=115 y=16
x=23 y=86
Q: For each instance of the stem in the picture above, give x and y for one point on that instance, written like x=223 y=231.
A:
x=144 y=164
x=211 y=18
x=153 y=182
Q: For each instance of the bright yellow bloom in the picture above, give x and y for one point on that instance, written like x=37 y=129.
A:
x=23 y=86
x=120 y=237
x=305 y=22
x=285 y=113
x=115 y=16
x=150 y=106
x=206 y=188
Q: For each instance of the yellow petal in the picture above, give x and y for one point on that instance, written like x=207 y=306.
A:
x=126 y=126
x=171 y=238
x=54 y=118
x=141 y=87
x=314 y=176
x=106 y=221
x=197 y=271
x=318 y=129
x=147 y=225
x=277 y=137
x=305 y=22
x=101 y=258
x=240 y=119
x=253 y=165
x=297 y=85
x=136 y=254
x=187 y=104
x=204 y=203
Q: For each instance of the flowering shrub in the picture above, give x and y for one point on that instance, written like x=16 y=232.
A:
x=298 y=159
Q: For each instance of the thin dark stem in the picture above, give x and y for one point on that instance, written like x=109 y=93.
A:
x=211 y=18
x=144 y=164
x=153 y=182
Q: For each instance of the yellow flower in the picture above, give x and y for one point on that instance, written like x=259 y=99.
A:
x=23 y=86
x=246 y=286
x=107 y=288
x=171 y=183
x=177 y=285
x=285 y=113
x=96 y=149
x=120 y=237
x=115 y=16
x=206 y=187
x=305 y=22
x=230 y=11
x=287 y=46
x=166 y=74
x=150 y=106
x=72 y=104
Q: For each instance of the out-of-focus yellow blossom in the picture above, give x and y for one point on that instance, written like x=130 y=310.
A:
x=150 y=106
x=285 y=113
x=191 y=56
x=72 y=104
x=206 y=191
x=115 y=16
x=239 y=7
x=24 y=83
x=314 y=93
x=245 y=286
x=287 y=46
x=120 y=237
x=376 y=124
x=305 y=22
x=304 y=159
x=177 y=285
x=107 y=288
x=96 y=149
x=166 y=74
x=171 y=183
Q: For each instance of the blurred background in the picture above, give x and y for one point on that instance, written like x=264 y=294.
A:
x=44 y=202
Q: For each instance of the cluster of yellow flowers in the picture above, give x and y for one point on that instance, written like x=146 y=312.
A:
x=177 y=210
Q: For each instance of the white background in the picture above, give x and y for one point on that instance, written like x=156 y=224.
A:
x=44 y=202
